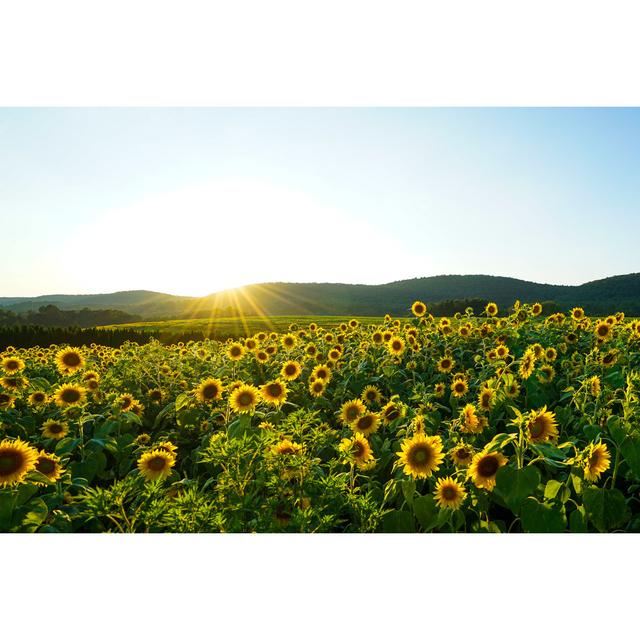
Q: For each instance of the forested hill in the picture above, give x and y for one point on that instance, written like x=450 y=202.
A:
x=618 y=293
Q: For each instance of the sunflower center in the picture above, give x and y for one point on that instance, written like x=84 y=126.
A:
x=449 y=492
x=274 y=390
x=70 y=395
x=365 y=422
x=10 y=462
x=537 y=428
x=290 y=370
x=488 y=466
x=245 y=399
x=352 y=413
x=46 y=466
x=157 y=464
x=210 y=391
x=12 y=365
x=71 y=359
x=421 y=455
x=55 y=428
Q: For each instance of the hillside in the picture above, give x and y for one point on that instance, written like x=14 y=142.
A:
x=278 y=299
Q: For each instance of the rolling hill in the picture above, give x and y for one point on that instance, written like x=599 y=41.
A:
x=277 y=299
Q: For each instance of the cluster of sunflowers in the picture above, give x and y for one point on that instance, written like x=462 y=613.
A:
x=512 y=423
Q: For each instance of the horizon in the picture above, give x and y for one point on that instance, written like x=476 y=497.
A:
x=359 y=284
x=194 y=201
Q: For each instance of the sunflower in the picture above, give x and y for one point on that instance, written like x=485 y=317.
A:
x=12 y=365
x=359 y=450
x=484 y=467
x=14 y=383
x=542 y=426
x=486 y=398
x=55 y=429
x=351 y=411
x=321 y=372
x=48 y=465
x=594 y=385
x=418 y=309
x=235 y=351
x=393 y=411
x=124 y=401
x=377 y=337
x=550 y=354
x=262 y=356
x=577 y=313
x=17 y=458
x=366 y=424
x=469 y=420
x=603 y=330
x=274 y=392
x=156 y=464
x=421 y=455
x=209 y=390
x=449 y=493
x=512 y=388
x=596 y=461
x=167 y=446
x=286 y=447
x=491 y=309
x=244 y=398
x=316 y=388
x=69 y=361
x=445 y=364
x=6 y=401
x=439 y=389
x=288 y=341
x=396 y=346
x=527 y=364
x=291 y=370
x=371 y=395
x=536 y=309
x=38 y=398
x=459 y=387
x=155 y=395
x=69 y=395
x=461 y=455
x=609 y=359
x=546 y=374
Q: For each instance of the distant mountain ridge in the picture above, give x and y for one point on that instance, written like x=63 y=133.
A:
x=281 y=298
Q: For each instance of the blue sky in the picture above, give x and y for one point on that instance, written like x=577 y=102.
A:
x=191 y=201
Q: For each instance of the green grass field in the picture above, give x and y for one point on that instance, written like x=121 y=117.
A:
x=229 y=327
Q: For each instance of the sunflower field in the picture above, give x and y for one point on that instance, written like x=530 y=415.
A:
x=473 y=423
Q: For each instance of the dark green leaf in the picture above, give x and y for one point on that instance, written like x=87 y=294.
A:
x=606 y=508
x=541 y=518
x=398 y=522
x=514 y=485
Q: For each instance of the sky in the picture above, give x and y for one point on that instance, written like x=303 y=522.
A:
x=193 y=201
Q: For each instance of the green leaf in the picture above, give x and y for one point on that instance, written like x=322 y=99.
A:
x=577 y=483
x=408 y=489
x=577 y=522
x=630 y=450
x=616 y=431
x=187 y=417
x=182 y=401
x=551 y=489
x=239 y=427
x=426 y=511
x=541 y=518
x=7 y=504
x=514 y=485
x=606 y=508
x=398 y=522
x=37 y=514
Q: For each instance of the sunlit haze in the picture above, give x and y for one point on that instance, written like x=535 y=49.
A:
x=192 y=201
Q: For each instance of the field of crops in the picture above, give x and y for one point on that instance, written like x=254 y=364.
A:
x=235 y=327
x=465 y=424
